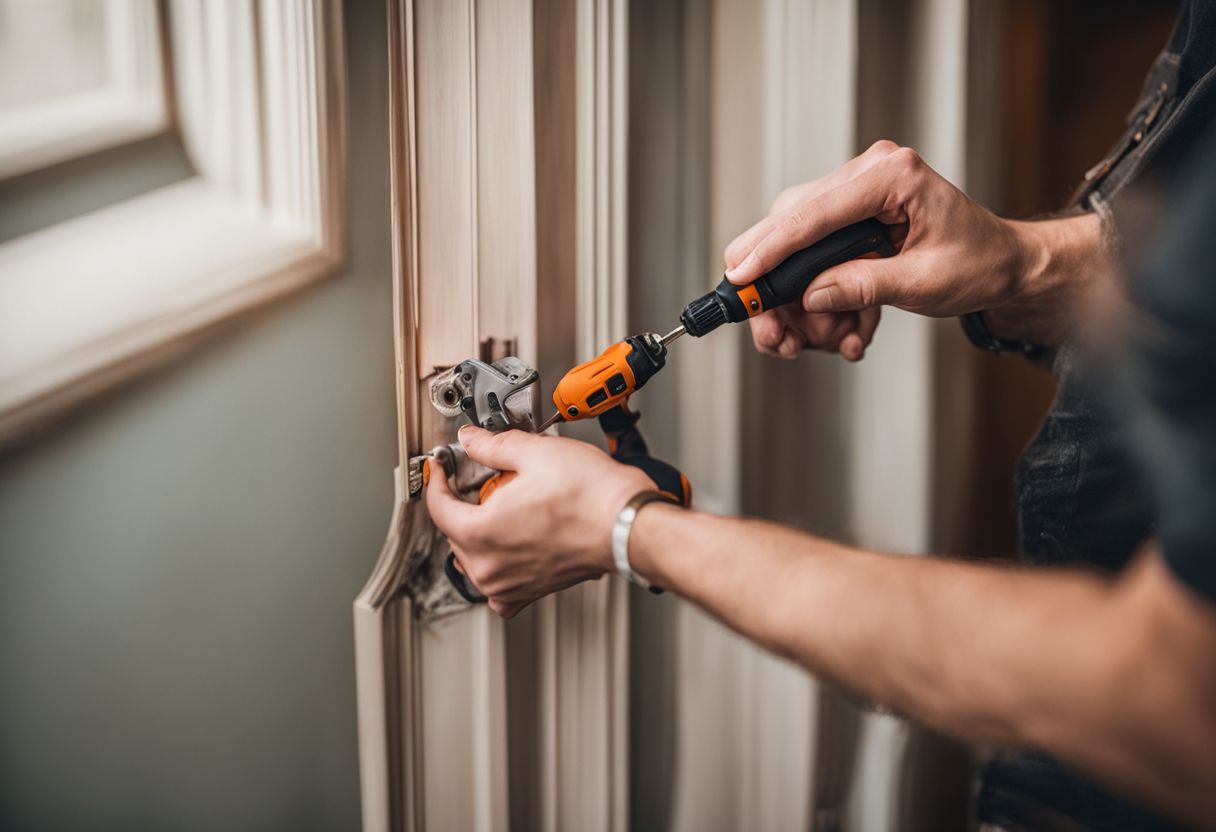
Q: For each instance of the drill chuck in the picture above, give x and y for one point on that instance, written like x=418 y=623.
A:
x=704 y=315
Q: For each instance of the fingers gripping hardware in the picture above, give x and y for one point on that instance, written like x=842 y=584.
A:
x=504 y=396
x=626 y=445
x=501 y=396
x=497 y=396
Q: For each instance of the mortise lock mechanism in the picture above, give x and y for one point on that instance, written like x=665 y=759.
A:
x=498 y=396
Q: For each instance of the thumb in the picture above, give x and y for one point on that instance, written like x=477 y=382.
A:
x=445 y=508
x=501 y=451
x=856 y=285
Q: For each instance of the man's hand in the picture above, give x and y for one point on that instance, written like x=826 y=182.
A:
x=954 y=256
x=548 y=528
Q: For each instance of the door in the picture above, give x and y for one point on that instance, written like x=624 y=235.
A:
x=507 y=123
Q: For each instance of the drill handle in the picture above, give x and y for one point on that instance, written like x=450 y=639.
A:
x=786 y=282
x=791 y=277
x=625 y=444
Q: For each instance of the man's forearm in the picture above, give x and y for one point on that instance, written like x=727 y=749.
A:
x=987 y=654
x=1061 y=261
x=920 y=636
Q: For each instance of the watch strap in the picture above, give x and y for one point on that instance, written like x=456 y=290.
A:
x=977 y=332
x=624 y=525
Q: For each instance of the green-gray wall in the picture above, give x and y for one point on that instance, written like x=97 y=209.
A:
x=178 y=561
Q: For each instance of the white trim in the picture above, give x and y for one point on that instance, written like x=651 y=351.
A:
x=432 y=698
x=432 y=695
x=602 y=126
x=893 y=396
x=584 y=631
x=782 y=97
x=131 y=105
x=388 y=688
x=87 y=303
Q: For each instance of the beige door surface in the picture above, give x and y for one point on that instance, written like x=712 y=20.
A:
x=501 y=112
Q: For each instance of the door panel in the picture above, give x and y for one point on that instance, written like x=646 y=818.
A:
x=433 y=691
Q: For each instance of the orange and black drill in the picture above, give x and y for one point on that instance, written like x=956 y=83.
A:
x=607 y=380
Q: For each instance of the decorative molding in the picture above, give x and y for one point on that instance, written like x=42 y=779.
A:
x=584 y=631
x=93 y=301
x=388 y=687
x=129 y=106
x=433 y=695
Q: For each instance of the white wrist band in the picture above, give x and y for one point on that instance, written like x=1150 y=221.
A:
x=622 y=527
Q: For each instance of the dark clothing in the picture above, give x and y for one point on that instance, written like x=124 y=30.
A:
x=1027 y=791
x=1194 y=43
x=1085 y=495
x=1170 y=375
x=1082 y=497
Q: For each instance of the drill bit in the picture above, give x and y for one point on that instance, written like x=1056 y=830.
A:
x=673 y=335
x=548 y=423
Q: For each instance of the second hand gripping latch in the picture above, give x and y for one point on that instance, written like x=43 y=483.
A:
x=497 y=396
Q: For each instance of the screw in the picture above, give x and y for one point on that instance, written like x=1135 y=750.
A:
x=755 y=304
x=572 y=410
x=466 y=378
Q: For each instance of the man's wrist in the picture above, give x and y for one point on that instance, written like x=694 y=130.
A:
x=1055 y=262
x=645 y=542
x=622 y=533
x=609 y=502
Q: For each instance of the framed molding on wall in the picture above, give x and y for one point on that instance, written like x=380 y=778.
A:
x=124 y=100
x=260 y=90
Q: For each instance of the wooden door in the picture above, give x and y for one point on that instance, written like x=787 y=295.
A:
x=507 y=126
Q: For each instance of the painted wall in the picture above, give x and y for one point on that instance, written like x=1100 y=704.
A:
x=177 y=563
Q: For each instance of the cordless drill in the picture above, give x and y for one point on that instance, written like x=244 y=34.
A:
x=611 y=377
